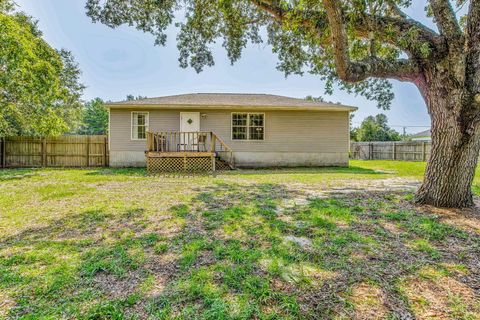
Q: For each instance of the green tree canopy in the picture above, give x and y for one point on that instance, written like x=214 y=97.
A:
x=131 y=97
x=316 y=99
x=375 y=128
x=94 y=118
x=39 y=86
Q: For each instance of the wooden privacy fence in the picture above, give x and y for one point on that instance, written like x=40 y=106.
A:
x=398 y=150
x=64 y=151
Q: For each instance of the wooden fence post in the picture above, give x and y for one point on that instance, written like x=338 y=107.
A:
x=424 y=151
x=370 y=151
x=88 y=151
x=394 y=149
x=44 y=151
x=105 y=150
x=3 y=148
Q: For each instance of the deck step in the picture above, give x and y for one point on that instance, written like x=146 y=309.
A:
x=221 y=165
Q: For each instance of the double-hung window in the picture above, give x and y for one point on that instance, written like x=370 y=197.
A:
x=248 y=126
x=139 y=125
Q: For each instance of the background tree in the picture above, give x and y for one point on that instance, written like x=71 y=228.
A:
x=94 y=118
x=353 y=130
x=316 y=99
x=355 y=44
x=131 y=97
x=375 y=128
x=39 y=86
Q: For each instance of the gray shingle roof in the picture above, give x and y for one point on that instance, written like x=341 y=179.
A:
x=231 y=100
x=425 y=133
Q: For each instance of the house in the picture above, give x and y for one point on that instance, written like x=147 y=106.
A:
x=254 y=130
x=422 y=136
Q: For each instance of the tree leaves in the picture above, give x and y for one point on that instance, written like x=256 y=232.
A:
x=375 y=128
x=95 y=117
x=39 y=86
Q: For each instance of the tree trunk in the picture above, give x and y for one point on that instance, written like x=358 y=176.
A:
x=455 y=150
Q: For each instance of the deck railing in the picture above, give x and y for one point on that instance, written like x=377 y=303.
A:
x=198 y=141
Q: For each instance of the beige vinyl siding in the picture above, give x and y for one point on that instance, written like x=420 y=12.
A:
x=285 y=131
x=121 y=126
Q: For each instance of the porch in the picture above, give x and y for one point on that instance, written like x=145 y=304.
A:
x=178 y=151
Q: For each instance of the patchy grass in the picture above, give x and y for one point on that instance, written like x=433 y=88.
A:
x=261 y=244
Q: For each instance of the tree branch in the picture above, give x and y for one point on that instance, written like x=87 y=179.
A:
x=446 y=20
x=269 y=7
x=401 y=69
x=383 y=25
x=364 y=25
x=395 y=9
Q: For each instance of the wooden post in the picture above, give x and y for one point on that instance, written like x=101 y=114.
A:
x=44 y=151
x=3 y=148
x=213 y=165
x=214 y=141
x=149 y=141
x=105 y=150
x=88 y=151
x=370 y=151
x=424 y=151
x=394 y=148
x=184 y=160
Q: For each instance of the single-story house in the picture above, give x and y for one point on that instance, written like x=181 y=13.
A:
x=422 y=136
x=261 y=130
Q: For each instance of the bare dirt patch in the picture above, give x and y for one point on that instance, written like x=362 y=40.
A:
x=345 y=187
x=115 y=287
x=467 y=219
x=301 y=241
x=158 y=286
x=391 y=184
x=441 y=298
x=368 y=301
x=6 y=303
x=392 y=228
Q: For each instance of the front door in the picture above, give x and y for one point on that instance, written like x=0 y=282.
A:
x=189 y=122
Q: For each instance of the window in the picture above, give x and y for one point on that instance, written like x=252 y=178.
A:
x=139 y=125
x=248 y=126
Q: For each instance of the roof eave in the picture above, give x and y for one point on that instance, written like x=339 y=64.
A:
x=220 y=107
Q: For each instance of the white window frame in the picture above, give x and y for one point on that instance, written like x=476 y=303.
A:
x=248 y=126
x=132 y=125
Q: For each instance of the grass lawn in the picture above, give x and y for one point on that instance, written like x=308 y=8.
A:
x=313 y=243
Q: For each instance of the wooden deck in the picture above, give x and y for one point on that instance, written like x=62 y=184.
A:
x=181 y=154
x=187 y=152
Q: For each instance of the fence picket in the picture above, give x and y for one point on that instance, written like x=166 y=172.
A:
x=399 y=150
x=64 y=151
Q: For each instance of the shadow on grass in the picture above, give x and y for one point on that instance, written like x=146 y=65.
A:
x=258 y=251
x=311 y=256
x=85 y=266
x=118 y=171
x=17 y=174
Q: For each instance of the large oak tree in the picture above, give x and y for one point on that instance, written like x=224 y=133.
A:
x=356 y=44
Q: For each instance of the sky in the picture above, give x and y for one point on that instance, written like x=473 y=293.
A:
x=117 y=62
